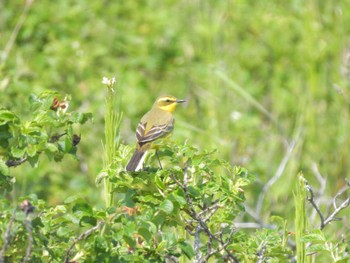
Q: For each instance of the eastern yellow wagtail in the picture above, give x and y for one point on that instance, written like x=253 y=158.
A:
x=155 y=124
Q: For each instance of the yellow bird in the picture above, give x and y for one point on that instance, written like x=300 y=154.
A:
x=155 y=124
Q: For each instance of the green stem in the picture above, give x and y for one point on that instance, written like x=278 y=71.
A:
x=112 y=121
x=301 y=223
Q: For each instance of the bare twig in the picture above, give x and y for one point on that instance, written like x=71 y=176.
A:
x=277 y=175
x=197 y=244
x=311 y=199
x=14 y=163
x=323 y=182
x=27 y=207
x=7 y=237
x=28 y=225
x=56 y=137
x=200 y=219
x=261 y=252
x=320 y=178
x=337 y=209
x=81 y=237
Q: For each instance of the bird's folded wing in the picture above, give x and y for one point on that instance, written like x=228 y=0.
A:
x=153 y=133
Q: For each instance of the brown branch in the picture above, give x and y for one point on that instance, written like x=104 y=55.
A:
x=7 y=237
x=337 y=209
x=28 y=225
x=201 y=218
x=27 y=207
x=81 y=237
x=261 y=252
x=14 y=163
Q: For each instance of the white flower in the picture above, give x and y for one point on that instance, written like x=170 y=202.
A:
x=108 y=82
x=235 y=115
x=105 y=80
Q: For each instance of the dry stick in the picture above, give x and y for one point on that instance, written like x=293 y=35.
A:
x=341 y=191
x=28 y=225
x=197 y=244
x=256 y=215
x=261 y=252
x=7 y=237
x=14 y=163
x=277 y=175
x=202 y=224
x=81 y=237
x=332 y=217
x=160 y=164
x=322 y=182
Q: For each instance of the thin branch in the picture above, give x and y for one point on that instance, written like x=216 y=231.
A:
x=337 y=209
x=7 y=237
x=261 y=252
x=332 y=217
x=277 y=175
x=14 y=163
x=311 y=199
x=197 y=244
x=81 y=237
x=27 y=207
x=28 y=225
x=323 y=182
x=201 y=219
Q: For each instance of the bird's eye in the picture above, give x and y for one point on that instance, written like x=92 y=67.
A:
x=168 y=100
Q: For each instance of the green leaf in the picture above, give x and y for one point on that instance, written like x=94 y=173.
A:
x=33 y=160
x=101 y=175
x=161 y=245
x=5 y=135
x=315 y=237
x=88 y=220
x=159 y=182
x=31 y=150
x=167 y=206
x=63 y=231
x=194 y=191
x=6 y=182
x=4 y=170
x=145 y=234
x=84 y=208
x=151 y=227
x=7 y=116
x=80 y=118
x=51 y=147
x=317 y=248
x=72 y=199
x=131 y=241
x=17 y=152
x=179 y=198
x=187 y=249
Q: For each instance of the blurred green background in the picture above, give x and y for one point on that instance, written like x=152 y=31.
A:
x=257 y=76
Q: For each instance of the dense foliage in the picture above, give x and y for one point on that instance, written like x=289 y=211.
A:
x=267 y=86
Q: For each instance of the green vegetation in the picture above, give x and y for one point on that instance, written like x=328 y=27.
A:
x=267 y=85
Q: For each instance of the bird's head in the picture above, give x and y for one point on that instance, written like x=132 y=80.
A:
x=167 y=103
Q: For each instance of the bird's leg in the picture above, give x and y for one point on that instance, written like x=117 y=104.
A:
x=160 y=165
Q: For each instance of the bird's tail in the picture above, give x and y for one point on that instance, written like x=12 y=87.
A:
x=136 y=161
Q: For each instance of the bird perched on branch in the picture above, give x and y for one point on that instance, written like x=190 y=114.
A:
x=155 y=124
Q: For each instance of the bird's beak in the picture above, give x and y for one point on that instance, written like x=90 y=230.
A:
x=180 y=101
